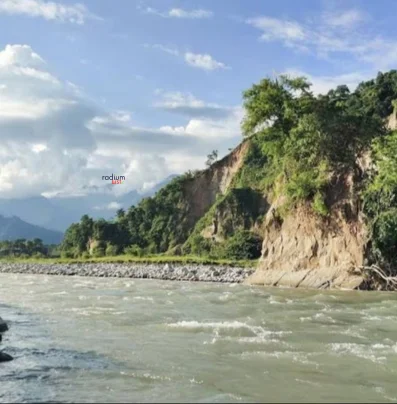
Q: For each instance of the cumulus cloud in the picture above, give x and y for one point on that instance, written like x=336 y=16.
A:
x=181 y=13
x=56 y=141
x=42 y=125
x=49 y=10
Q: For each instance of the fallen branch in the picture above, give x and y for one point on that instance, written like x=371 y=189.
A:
x=390 y=280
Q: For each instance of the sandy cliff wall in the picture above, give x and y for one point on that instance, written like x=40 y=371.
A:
x=305 y=250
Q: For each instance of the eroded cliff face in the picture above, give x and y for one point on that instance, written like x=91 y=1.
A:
x=305 y=250
x=301 y=248
x=202 y=191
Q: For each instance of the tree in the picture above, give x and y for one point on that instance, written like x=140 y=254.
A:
x=120 y=214
x=212 y=158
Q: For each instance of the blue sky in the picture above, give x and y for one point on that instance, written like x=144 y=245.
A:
x=148 y=88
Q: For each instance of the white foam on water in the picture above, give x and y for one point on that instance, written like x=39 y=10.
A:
x=322 y=316
x=146 y=375
x=273 y=300
x=382 y=391
x=351 y=333
x=299 y=357
x=260 y=335
x=196 y=325
x=144 y=298
x=359 y=350
x=221 y=325
x=308 y=382
x=225 y=296
x=129 y=284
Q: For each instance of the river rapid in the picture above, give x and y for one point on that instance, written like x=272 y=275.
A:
x=126 y=340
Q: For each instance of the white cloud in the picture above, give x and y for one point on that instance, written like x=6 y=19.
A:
x=122 y=116
x=17 y=55
x=322 y=84
x=38 y=148
x=180 y=13
x=166 y=49
x=344 y=19
x=109 y=206
x=49 y=10
x=42 y=126
x=274 y=28
x=55 y=140
x=204 y=61
x=187 y=105
x=337 y=31
x=197 y=60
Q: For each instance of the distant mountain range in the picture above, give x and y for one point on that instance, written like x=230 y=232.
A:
x=13 y=228
x=58 y=213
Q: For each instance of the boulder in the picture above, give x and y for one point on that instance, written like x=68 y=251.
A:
x=3 y=325
x=5 y=357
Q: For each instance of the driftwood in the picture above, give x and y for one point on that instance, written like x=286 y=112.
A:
x=380 y=275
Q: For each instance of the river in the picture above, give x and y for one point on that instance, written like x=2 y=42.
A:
x=122 y=340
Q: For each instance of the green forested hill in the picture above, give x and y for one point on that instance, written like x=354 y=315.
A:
x=298 y=146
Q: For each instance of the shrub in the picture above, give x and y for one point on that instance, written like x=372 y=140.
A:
x=243 y=245
x=319 y=205
x=199 y=245
x=99 y=250
x=66 y=254
x=385 y=234
x=134 y=250
x=111 y=250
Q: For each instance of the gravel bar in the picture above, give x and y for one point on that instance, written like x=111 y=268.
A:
x=173 y=272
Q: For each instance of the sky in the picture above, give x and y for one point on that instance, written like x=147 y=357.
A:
x=149 y=88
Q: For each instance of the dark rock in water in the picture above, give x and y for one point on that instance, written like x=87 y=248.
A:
x=3 y=325
x=5 y=357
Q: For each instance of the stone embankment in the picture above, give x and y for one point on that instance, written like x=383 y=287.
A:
x=174 y=272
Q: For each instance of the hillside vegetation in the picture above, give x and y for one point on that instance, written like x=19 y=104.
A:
x=297 y=148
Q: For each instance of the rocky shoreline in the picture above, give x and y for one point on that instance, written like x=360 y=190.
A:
x=173 y=272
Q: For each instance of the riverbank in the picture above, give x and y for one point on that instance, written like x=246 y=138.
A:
x=126 y=258
x=168 y=271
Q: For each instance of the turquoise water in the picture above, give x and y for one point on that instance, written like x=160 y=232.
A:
x=91 y=339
